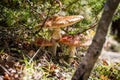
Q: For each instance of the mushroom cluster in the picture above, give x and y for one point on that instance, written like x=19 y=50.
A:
x=58 y=22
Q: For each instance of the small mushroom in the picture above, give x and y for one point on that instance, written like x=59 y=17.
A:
x=43 y=42
x=40 y=42
x=72 y=42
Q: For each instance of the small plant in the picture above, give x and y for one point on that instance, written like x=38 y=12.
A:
x=105 y=72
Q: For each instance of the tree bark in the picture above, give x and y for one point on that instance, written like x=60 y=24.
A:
x=86 y=65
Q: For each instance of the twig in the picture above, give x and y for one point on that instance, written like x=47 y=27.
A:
x=34 y=56
x=32 y=10
x=5 y=69
x=72 y=4
x=90 y=27
x=44 y=20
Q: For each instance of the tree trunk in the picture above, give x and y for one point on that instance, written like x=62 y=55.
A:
x=86 y=65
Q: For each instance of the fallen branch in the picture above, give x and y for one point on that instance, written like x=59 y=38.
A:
x=5 y=69
x=34 y=55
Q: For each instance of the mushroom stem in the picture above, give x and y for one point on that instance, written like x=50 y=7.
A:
x=72 y=51
x=54 y=48
x=56 y=34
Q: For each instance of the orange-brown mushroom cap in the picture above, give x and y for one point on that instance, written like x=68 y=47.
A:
x=62 y=21
x=43 y=42
x=70 y=41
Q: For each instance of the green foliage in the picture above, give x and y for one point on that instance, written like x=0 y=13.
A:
x=117 y=14
x=106 y=72
x=29 y=13
x=96 y=6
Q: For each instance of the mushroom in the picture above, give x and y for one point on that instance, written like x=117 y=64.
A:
x=72 y=42
x=40 y=42
x=57 y=22
x=43 y=42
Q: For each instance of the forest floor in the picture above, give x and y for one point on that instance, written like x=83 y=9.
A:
x=44 y=67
